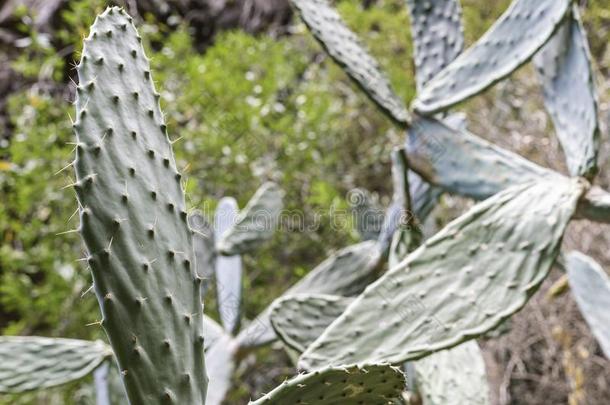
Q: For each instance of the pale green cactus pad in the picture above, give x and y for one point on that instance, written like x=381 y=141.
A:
x=228 y=269
x=300 y=319
x=438 y=35
x=255 y=224
x=33 y=363
x=463 y=163
x=374 y=384
x=344 y=47
x=212 y=331
x=566 y=73
x=134 y=220
x=203 y=245
x=220 y=363
x=515 y=37
x=346 y=272
x=454 y=376
x=590 y=286
x=464 y=281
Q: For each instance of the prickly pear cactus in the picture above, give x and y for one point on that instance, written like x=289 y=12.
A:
x=454 y=376
x=346 y=272
x=228 y=269
x=134 y=220
x=344 y=47
x=515 y=37
x=300 y=319
x=465 y=164
x=590 y=286
x=564 y=65
x=33 y=363
x=438 y=36
x=374 y=384
x=502 y=249
x=220 y=361
x=256 y=223
x=203 y=245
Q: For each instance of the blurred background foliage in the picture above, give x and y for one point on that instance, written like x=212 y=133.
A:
x=249 y=103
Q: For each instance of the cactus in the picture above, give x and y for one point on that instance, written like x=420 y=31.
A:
x=220 y=361
x=134 y=222
x=590 y=286
x=569 y=94
x=346 y=272
x=375 y=384
x=255 y=224
x=424 y=308
x=344 y=47
x=203 y=246
x=32 y=363
x=517 y=35
x=228 y=269
x=300 y=319
x=438 y=36
x=453 y=377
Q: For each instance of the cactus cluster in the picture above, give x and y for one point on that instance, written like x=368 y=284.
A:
x=152 y=262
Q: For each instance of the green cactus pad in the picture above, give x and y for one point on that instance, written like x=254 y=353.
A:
x=590 y=286
x=374 y=384
x=203 y=245
x=220 y=362
x=346 y=272
x=438 y=35
x=33 y=363
x=517 y=35
x=228 y=269
x=255 y=224
x=298 y=320
x=566 y=73
x=462 y=282
x=212 y=331
x=465 y=164
x=134 y=220
x=344 y=47
x=454 y=376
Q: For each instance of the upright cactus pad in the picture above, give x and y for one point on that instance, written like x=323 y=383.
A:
x=220 y=361
x=463 y=163
x=344 y=47
x=464 y=281
x=454 y=376
x=346 y=272
x=590 y=286
x=134 y=220
x=438 y=35
x=228 y=268
x=300 y=319
x=33 y=363
x=517 y=35
x=256 y=223
x=374 y=384
x=203 y=245
x=569 y=94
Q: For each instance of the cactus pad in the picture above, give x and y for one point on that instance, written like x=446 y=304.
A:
x=134 y=220
x=346 y=272
x=438 y=35
x=212 y=331
x=255 y=224
x=462 y=282
x=564 y=65
x=32 y=363
x=300 y=319
x=517 y=35
x=454 y=376
x=220 y=362
x=343 y=46
x=465 y=164
x=374 y=384
x=595 y=206
x=590 y=286
x=228 y=268
x=203 y=245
